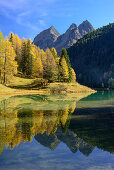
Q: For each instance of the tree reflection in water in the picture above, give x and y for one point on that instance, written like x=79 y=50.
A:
x=50 y=122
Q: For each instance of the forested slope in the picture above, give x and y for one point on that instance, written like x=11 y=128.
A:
x=92 y=57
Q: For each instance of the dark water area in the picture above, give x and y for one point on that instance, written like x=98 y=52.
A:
x=57 y=132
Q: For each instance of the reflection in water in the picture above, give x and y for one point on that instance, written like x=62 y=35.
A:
x=73 y=142
x=95 y=126
x=22 y=118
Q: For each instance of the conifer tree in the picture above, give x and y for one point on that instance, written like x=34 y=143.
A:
x=64 y=72
x=12 y=40
x=26 y=58
x=44 y=62
x=64 y=53
x=22 y=66
x=73 y=75
x=7 y=61
x=51 y=70
x=1 y=36
x=16 y=44
x=29 y=60
x=18 y=51
x=1 y=52
x=37 y=70
x=54 y=52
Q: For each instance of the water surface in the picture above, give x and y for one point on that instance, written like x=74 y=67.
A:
x=57 y=132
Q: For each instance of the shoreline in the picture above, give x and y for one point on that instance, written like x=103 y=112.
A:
x=52 y=88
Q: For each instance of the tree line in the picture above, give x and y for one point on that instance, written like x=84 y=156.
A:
x=22 y=58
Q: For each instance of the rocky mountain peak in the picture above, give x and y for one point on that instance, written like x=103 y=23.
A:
x=73 y=26
x=54 y=31
x=52 y=28
x=46 y=38
x=51 y=37
x=85 y=27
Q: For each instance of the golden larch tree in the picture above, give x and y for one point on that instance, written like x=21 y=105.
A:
x=73 y=75
x=37 y=70
x=54 y=52
x=52 y=70
x=7 y=61
x=64 y=72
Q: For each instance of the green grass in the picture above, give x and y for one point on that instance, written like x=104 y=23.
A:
x=68 y=88
x=22 y=86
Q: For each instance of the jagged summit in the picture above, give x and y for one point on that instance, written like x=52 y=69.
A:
x=52 y=38
x=73 y=26
x=46 y=38
x=85 y=27
x=52 y=28
x=86 y=21
x=54 y=31
x=68 y=38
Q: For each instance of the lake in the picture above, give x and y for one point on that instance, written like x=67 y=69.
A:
x=63 y=132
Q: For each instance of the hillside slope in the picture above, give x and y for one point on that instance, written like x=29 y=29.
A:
x=92 y=57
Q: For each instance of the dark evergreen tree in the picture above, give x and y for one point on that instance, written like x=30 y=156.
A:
x=26 y=59
x=29 y=60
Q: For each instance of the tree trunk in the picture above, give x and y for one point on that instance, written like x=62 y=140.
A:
x=4 y=78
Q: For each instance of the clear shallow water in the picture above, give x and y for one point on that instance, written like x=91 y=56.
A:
x=57 y=132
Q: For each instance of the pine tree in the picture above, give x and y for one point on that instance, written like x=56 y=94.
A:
x=12 y=40
x=26 y=63
x=22 y=66
x=29 y=59
x=18 y=51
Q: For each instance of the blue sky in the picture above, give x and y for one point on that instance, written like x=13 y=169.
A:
x=29 y=17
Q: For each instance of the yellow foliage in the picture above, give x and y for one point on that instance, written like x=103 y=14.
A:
x=51 y=69
x=19 y=125
x=54 y=52
x=7 y=61
x=37 y=70
x=73 y=75
x=64 y=69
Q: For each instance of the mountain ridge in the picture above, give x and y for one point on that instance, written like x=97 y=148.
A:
x=52 y=38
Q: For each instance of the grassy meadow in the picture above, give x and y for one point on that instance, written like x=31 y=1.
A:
x=22 y=86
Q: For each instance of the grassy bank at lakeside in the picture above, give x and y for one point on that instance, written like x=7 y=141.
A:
x=21 y=86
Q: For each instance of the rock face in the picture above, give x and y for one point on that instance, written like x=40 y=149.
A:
x=68 y=38
x=51 y=38
x=85 y=27
x=46 y=38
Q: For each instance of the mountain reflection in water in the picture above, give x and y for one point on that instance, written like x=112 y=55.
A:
x=52 y=121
